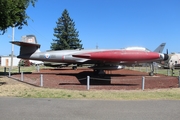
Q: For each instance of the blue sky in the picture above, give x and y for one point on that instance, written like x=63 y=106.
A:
x=110 y=24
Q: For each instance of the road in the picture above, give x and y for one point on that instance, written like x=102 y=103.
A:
x=63 y=109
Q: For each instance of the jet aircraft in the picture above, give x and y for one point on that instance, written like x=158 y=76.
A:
x=173 y=61
x=101 y=59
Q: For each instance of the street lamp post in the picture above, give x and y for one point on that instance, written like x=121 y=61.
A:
x=12 y=50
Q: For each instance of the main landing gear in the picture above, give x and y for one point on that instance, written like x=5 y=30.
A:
x=152 y=69
x=74 y=67
x=99 y=72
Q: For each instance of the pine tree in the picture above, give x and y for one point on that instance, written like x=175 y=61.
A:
x=66 y=34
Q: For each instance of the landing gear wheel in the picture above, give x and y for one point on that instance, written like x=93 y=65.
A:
x=152 y=70
x=96 y=72
x=151 y=73
x=74 y=67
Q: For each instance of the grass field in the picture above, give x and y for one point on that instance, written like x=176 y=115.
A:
x=17 y=69
x=157 y=70
x=143 y=69
x=13 y=88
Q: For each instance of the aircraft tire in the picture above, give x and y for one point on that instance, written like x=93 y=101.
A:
x=151 y=74
x=74 y=67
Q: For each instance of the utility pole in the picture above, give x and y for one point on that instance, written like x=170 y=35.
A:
x=12 y=49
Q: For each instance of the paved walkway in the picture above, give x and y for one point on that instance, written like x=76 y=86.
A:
x=62 y=109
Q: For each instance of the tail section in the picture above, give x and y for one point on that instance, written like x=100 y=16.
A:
x=160 y=48
x=28 y=46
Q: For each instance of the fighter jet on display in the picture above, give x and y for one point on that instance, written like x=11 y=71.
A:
x=101 y=59
x=173 y=61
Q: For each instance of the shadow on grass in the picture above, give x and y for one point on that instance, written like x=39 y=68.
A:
x=4 y=73
x=2 y=83
x=15 y=73
x=20 y=73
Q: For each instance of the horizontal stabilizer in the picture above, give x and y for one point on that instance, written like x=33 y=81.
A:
x=19 y=43
x=28 y=46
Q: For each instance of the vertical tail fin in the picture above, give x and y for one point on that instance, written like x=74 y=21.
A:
x=28 y=45
x=160 y=48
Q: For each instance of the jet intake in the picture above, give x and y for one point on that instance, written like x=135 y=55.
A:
x=164 y=56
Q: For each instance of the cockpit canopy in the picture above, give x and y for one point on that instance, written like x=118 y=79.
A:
x=137 y=48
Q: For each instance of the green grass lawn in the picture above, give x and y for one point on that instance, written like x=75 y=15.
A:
x=142 y=69
x=24 y=90
x=21 y=69
x=157 y=70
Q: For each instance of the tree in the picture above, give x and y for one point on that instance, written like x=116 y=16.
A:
x=13 y=13
x=66 y=34
x=24 y=62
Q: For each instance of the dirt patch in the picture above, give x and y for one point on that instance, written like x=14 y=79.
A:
x=113 y=80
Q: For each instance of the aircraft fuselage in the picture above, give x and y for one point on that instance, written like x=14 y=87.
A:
x=108 y=56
